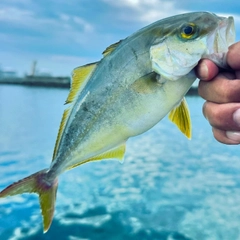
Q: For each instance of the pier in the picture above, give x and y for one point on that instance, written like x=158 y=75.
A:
x=44 y=81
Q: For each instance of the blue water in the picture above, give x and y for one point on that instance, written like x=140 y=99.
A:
x=169 y=188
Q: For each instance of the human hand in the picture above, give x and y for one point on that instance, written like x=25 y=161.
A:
x=221 y=90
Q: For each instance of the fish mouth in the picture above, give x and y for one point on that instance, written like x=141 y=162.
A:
x=220 y=40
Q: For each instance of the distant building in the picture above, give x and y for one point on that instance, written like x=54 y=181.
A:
x=8 y=74
x=35 y=78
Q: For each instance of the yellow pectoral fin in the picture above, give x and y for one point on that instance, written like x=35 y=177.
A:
x=115 y=153
x=181 y=117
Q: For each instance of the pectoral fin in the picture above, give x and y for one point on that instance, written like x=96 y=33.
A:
x=181 y=117
x=147 y=84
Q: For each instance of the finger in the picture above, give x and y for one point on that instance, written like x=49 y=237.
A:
x=233 y=56
x=220 y=89
x=206 y=70
x=222 y=137
x=237 y=73
x=225 y=117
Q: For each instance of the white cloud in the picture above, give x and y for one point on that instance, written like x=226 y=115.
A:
x=87 y=26
x=62 y=29
x=31 y=20
x=15 y=15
x=69 y=20
x=145 y=11
x=69 y=59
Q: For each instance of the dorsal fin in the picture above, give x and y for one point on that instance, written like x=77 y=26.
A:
x=111 y=48
x=181 y=117
x=115 y=153
x=80 y=77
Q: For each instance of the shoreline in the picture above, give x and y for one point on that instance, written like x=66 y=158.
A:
x=38 y=81
x=57 y=82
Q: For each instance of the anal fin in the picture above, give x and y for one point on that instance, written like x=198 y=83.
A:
x=115 y=153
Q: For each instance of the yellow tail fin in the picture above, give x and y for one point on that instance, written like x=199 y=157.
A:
x=37 y=183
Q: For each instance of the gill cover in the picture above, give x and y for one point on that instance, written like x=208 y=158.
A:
x=178 y=53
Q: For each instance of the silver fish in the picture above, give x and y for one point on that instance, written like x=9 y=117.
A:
x=139 y=80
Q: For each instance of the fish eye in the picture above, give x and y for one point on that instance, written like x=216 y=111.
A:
x=188 y=31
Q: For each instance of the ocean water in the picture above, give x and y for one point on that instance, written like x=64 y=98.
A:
x=169 y=188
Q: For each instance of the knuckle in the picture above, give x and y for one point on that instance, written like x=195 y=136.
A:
x=200 y=89
x=220 y=136
x=217 y=135
x=203 y=89
x=204 y=109
x=213 y=114
x=230 y=91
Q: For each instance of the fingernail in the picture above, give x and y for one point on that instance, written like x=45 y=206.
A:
x=235 y=136
x=203 y=71
x=236 y=117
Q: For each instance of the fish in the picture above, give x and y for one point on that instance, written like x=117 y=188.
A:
x=139 y=80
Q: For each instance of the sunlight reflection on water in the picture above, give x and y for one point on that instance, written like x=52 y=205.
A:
x=168 y=187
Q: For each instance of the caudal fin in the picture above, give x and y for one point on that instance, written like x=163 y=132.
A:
x=37 y=183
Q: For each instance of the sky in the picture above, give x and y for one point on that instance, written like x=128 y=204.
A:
x=63 y=34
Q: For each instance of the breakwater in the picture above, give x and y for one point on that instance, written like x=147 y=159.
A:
x=44 y=81
x=60 y=82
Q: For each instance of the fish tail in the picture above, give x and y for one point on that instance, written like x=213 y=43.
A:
x=37 y=183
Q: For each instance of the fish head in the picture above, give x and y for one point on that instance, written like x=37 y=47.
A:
x=220 y=40
x=186 y=39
